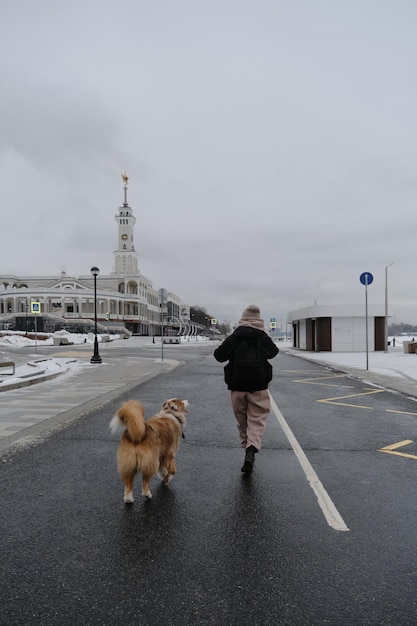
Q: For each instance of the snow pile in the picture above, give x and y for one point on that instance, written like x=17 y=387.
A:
x=17 y=339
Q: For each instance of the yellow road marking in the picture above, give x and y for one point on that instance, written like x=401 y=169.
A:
x=394 y=446
x=392 y=449
x=316 y=381
x=353 y=395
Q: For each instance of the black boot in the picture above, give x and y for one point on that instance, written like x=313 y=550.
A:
x=249 y=460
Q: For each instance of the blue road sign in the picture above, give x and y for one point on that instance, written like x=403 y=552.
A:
x=366 y=278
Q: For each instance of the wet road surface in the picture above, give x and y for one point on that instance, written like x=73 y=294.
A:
x=216 y=546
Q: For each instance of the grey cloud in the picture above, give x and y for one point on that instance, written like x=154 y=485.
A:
x=52 y=124
x=270 y=146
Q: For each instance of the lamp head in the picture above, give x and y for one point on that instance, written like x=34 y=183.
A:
x=95 y=271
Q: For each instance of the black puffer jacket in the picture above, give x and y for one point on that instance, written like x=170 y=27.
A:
x=236 y=377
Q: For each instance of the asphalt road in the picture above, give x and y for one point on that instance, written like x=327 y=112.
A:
x=218 y=547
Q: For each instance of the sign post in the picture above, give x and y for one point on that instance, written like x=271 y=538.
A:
x=366 y=279
x=35 y=308
x=162 y=297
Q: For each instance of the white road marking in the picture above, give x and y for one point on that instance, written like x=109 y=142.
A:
x=327 y=506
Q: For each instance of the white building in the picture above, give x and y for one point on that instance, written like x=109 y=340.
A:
x=338 y=328
x=125 y=298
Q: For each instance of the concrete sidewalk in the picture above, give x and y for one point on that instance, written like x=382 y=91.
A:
x=30 y=410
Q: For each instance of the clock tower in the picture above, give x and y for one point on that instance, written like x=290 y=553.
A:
x=125 y=257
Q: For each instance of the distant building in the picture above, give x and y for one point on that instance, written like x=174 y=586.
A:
x=337 y=328
x=126 y=299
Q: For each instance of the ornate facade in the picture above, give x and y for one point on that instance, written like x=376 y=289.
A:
x=125 y=298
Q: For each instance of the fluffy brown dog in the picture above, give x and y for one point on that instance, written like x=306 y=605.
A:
x=148 y=446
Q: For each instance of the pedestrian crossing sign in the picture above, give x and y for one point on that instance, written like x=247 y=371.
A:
x=35 y=307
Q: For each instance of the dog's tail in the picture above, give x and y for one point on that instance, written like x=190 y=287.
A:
x=130 y=417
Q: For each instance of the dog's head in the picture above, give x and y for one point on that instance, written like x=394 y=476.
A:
x=176 y=407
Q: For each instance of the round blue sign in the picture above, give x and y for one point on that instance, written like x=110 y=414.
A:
x=366 y=278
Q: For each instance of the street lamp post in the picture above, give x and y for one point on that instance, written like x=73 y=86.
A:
x=96 y=358
x=386 y=307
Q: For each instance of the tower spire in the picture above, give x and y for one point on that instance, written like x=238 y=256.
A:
x=125 y=179
x=126 y=260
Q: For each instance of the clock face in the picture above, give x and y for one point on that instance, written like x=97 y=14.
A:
x=124 y=237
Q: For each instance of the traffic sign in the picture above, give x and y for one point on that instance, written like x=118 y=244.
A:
x=35 y=307
x=366 y=278
x=162 y=296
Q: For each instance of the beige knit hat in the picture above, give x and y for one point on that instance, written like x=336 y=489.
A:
x=251 y=312
x=251 y=316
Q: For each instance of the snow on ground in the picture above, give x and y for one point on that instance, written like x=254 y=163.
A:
x=40 y=366
x=395 y=362
x=17 y=339
x=37 y=368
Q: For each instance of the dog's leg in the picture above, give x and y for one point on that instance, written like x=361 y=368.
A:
x=170 y=471
x=128 y=497
x=145 y=485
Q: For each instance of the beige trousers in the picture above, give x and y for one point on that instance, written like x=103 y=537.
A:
x=251 y=411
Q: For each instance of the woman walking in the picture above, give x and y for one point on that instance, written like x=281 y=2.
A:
x=247 y=375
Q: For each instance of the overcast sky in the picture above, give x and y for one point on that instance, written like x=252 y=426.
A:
x=271 y=146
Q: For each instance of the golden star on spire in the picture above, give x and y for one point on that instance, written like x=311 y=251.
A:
x=125 y=178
